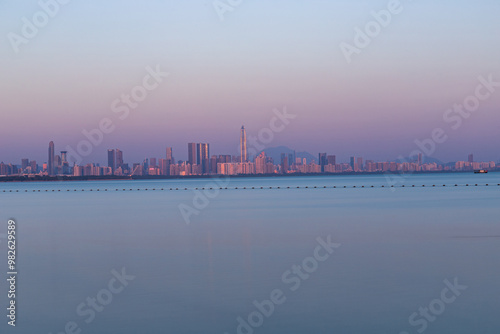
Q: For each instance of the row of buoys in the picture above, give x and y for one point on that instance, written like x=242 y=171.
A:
x=236 y=188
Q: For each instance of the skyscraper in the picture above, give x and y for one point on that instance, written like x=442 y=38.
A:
x=192 y=153
x=332 y=159
x=204 y=157
x=64 y=163
x=169 y=155
x=360 y=163
x=198 y=154
x=50 y=167
x=213 y=164
x=260 y=163
x=34 y=168
x=471 y=157
x=119 y=158
x=243 y=144
x=64 y=155
x=322 y=161
x=284 y=163
x=57 y=164
x=112 y=159
x=25 y=163
x=168 y=161
x=353 y=164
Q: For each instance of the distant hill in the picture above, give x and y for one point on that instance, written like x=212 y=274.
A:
x=275 y=153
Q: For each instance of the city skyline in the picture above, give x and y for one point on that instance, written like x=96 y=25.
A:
x=199 y=153
x=200 y=162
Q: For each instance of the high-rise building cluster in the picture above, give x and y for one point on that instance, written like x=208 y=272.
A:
x=200 y=162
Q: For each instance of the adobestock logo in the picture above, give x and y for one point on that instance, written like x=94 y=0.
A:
x=265 y=136
x=31 y=28
x=201 y=199
x=291 y=279
x=93 y=305
x=120 y=106
x=431 y=312
x=224 y=6
x=364 y=37
x=454 y=118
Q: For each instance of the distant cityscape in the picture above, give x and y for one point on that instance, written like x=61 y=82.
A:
x=200 y=162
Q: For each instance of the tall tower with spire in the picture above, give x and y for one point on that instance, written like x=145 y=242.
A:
x=243 y=144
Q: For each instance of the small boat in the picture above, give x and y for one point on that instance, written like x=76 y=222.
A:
x=481 y=171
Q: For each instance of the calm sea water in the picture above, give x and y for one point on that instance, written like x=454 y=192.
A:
x=397 y=248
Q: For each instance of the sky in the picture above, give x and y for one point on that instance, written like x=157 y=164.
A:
x=263 y=56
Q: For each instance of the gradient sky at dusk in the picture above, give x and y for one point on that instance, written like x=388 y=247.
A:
x=264 y=55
